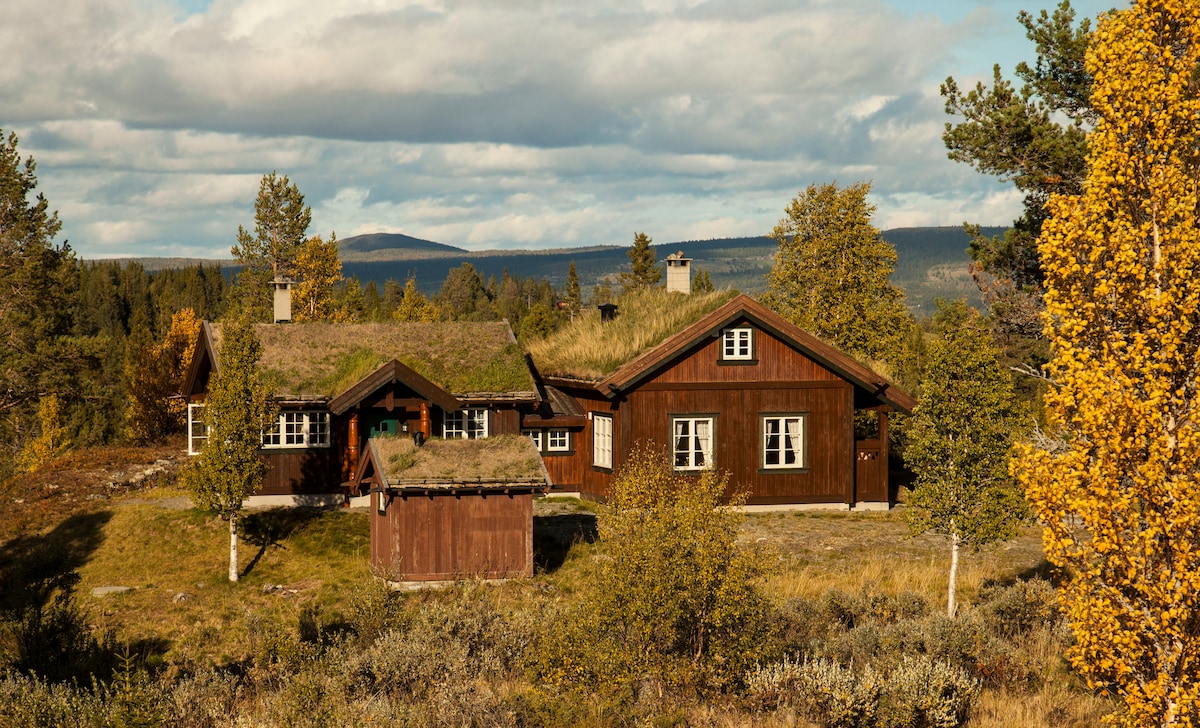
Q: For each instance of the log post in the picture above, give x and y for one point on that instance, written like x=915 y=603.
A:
x=426 y=422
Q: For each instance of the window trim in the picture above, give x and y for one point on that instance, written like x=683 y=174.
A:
x=566 y=439
x=306 y=430
x=597 y=440
x=463 y=419
x=195 y=423
x=710 y=455
x=802 y=458
x=730 y=346
x=536 y=436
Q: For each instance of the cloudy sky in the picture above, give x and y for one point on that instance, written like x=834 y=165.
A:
x=493 y=123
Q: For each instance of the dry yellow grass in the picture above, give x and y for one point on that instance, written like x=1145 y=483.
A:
x=591 y=349
x=511 y=458
x=324 y=359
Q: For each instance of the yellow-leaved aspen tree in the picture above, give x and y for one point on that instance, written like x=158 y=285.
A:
x=320 y=271
x=1118 y=487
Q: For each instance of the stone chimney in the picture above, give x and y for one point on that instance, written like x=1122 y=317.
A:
x=283 y=299
x=679 y=273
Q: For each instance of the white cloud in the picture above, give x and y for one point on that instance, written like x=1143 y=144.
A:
x=480 y=123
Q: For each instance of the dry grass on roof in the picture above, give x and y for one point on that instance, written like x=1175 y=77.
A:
x=323 y=359
x=504 y=457
x=591 y=349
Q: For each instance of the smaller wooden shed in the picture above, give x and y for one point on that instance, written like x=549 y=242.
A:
x=452 y=509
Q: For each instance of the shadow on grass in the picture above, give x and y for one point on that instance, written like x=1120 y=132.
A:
x=269 y=529
x=34 y=568
x=43 y=630
x=554 y=535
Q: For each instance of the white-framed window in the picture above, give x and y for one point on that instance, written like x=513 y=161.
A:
x=536 y=436
x=298 y=428
x=737 y=344
x=783 y=441
x=197 y=430
x=602 y=441
x=465 y=424
x=558 y=440
x=692 y=442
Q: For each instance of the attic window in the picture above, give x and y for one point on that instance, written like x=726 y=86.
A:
x=737 y=344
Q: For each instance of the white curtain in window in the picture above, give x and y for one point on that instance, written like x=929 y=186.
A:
x=793 y=440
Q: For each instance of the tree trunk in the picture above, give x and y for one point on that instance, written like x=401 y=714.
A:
x=951 y=605
x=233 y=543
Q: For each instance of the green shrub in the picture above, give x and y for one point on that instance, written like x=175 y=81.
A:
x=924 y=693
x=1019 y=608
x=821 y=690
x=673 y=605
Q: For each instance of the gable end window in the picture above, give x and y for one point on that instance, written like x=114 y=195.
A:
x=692 y=442
x=784 y=441
x=737 y=344
x=465 y=424
x=602 y=441
x=296 y=429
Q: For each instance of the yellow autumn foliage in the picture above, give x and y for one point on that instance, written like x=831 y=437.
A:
x=1120 y=492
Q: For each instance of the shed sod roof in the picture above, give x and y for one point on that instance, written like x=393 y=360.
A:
x=589 y=349
x=325 y=359
x=504 y=459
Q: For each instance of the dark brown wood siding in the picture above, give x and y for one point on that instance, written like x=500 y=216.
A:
x=737 y=412
x=774 y=361
x=778 y=380
x=301 y=471
x=444 y=536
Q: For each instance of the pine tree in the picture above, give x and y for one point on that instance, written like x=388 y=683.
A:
x=1034 y=136
x=154 y=374
x=573 y=297
x=38 y=284
x=281 y=222
x=237 y=409
x=1118 y=483
x=643 y=266
x=831 y=273
x=702 y=283
x=959 y=440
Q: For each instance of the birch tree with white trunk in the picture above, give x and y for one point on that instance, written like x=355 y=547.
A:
x=960 y=438
x=238 y=407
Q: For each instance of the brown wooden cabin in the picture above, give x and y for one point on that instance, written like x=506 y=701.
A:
x=452 y=509
x=742 y=390
x=339 y=385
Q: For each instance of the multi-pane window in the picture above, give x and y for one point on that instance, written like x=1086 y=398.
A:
x=783 y=441
x=197 y=430
x=737 y=344
x=558 y=440
x=298 y=429
x=691 y=442
x=536 y=436
x=466 y=424
x=602 y=441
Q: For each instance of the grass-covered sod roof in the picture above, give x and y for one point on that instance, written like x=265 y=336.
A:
x=325 y=359
x=493 y=460
x=590 y=349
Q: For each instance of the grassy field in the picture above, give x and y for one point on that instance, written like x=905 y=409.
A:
x=306 y=587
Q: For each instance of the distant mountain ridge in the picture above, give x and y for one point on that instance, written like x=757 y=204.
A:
x=931 y=262
x=392 y=241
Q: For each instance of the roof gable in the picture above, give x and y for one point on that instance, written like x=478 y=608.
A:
x=743 y=307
